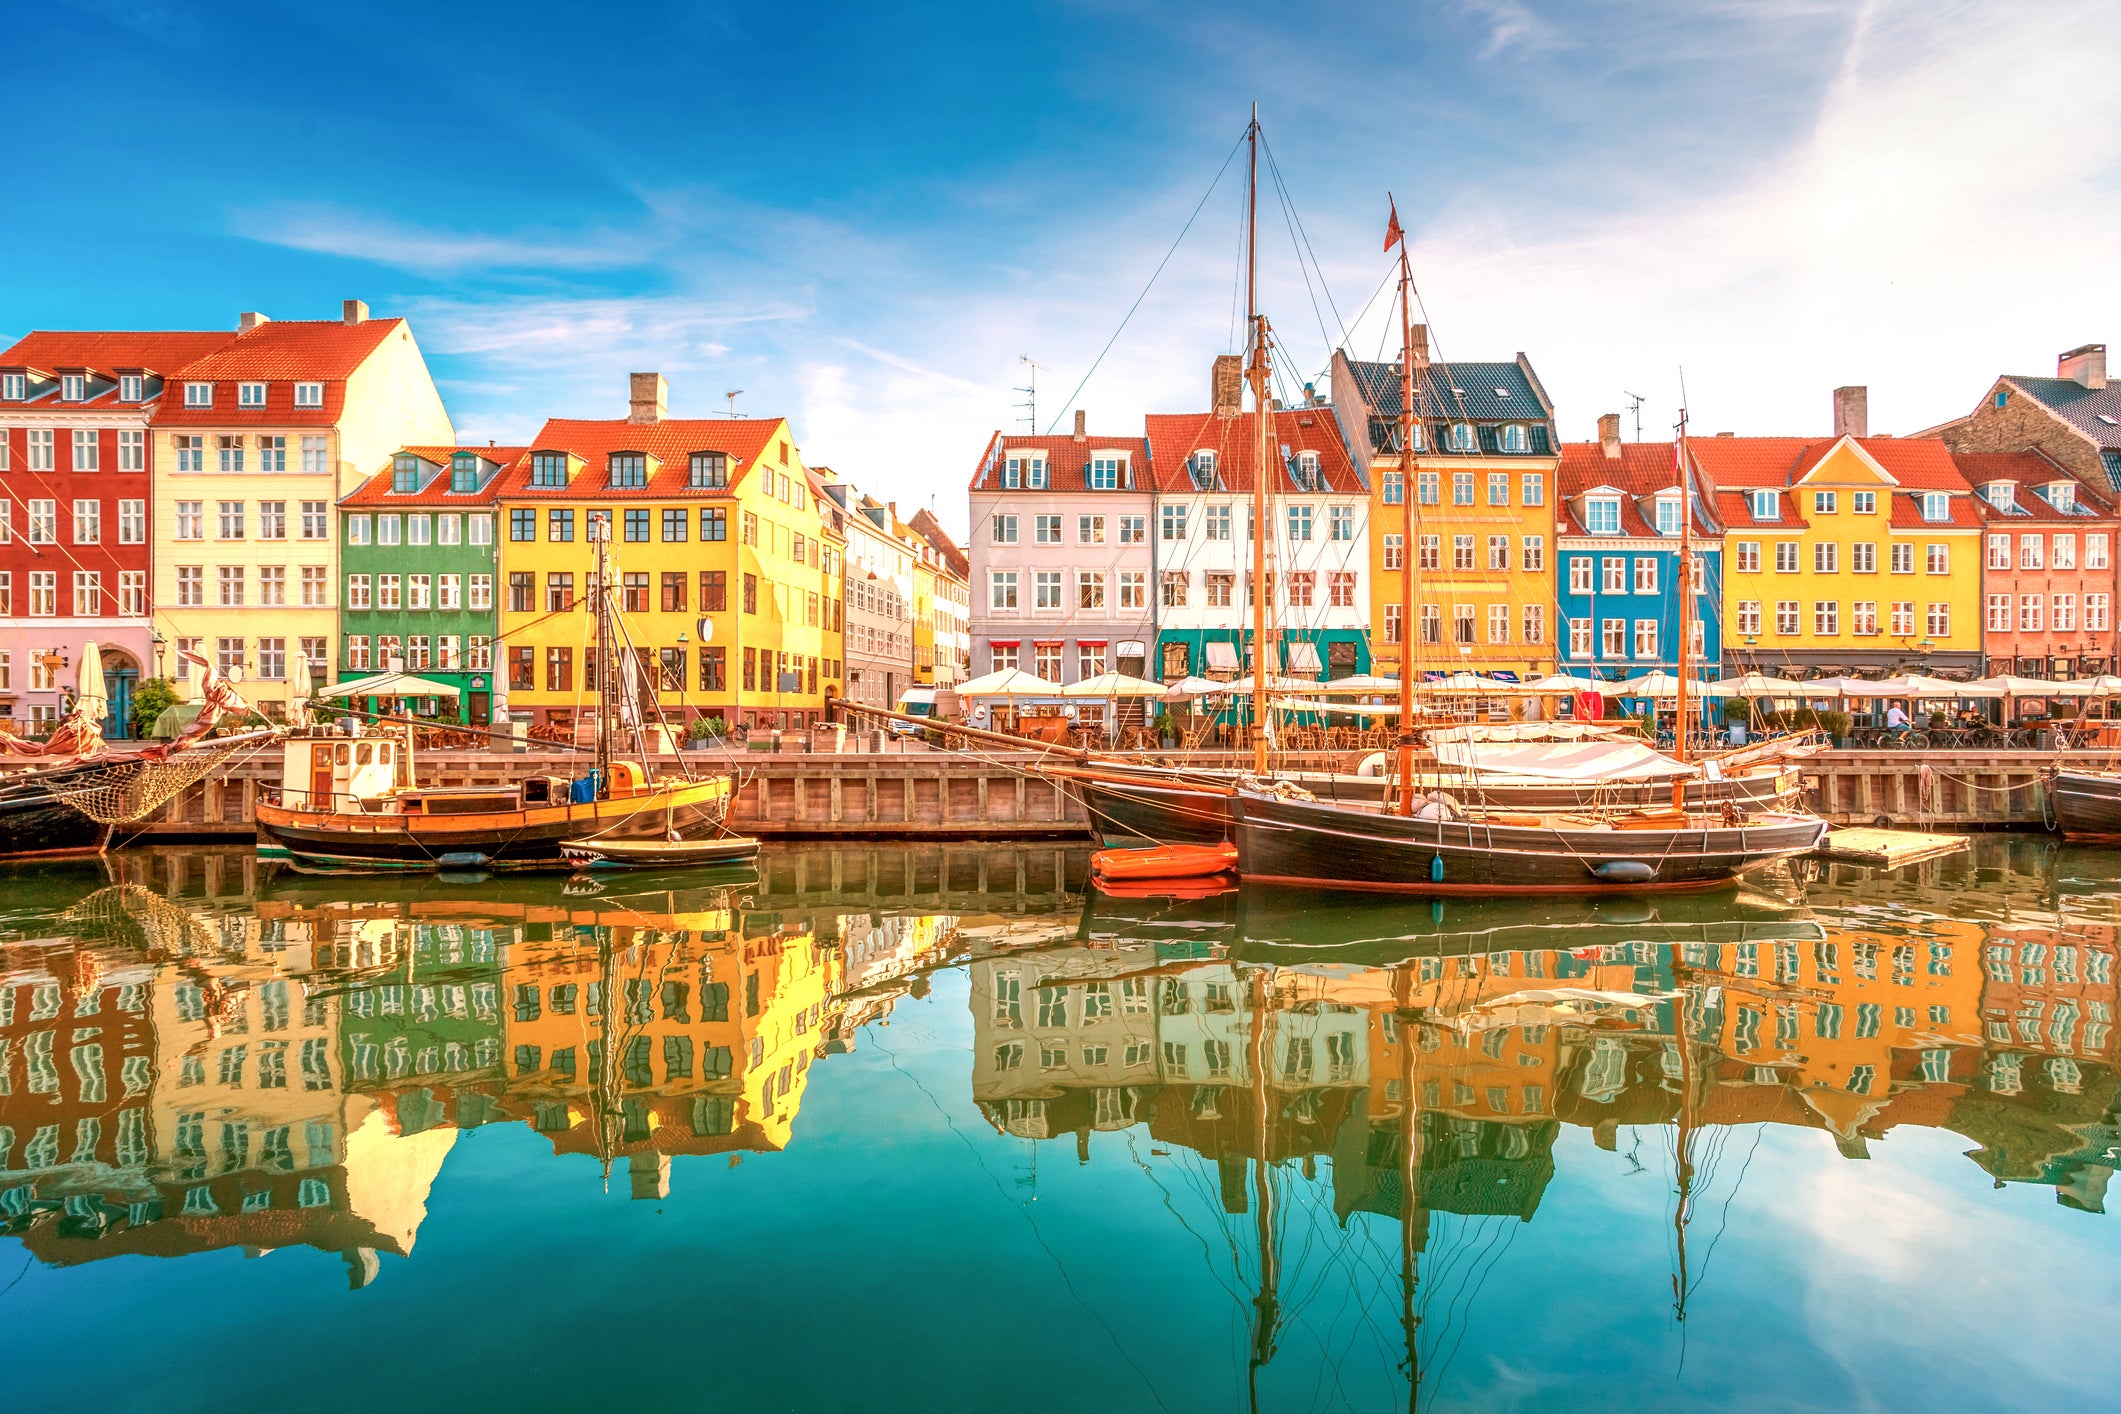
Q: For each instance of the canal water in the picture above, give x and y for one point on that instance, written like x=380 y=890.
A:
x=939 y=1128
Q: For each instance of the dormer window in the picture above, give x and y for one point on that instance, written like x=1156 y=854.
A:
x=464 y=472
x=548 y=469
x=1201 y=468
x=1936 y=506
x=309 y=395
x=1601 y=515
x=1462 y=438
x=250 y=395
x=710 y=471
x=1305 y=468
x=129 y=387
x=1998 y=495
x=1766 y=505
x=2062 y=495
x=1107 y=470
x=1514 y=438
x=198 y=395
x=1024 y=471
x=1667 y=515
x=14 y=387
x=629 y=469
x=404 y=474
x=73 y=387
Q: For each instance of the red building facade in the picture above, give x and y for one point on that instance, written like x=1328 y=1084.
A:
x=2048 y=580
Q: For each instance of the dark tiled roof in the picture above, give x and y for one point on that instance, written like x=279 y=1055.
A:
x=1486 y=394
x=2025 y=473
x=2079 y=406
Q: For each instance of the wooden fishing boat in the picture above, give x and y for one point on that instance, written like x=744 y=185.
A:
x=353 y=805
x=660 y=854
x=1317 y=844
x=2087 y=804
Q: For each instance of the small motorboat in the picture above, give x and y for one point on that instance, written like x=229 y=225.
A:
x=1175 y=890
x=1164 y=861
x=659 y=854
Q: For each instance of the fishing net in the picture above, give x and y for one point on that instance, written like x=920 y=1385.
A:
x=124 y=791
x=135 y=916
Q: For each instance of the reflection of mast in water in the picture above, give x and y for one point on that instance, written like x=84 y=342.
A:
x=1410 y=1178
x=1266 y=1303
x=1685 y=1019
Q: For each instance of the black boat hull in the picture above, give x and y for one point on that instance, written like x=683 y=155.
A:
x=2087 y=805
x=1312 y=845
x=1172 y=812
x=35 y=824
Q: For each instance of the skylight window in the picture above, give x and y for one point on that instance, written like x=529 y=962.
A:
x=2109 y=419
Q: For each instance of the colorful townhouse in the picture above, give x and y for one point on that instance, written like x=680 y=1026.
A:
x=1318 y=559
x=2048 y=575
x=2073 y=418
x=1619 y=581
x=1062 y=564
x=728 y=567
x=420 y=555
x=952 y=655
x=253 y=445
x=76 y=468
x=1845 y=555
x=880 y=633
x=1484 y=461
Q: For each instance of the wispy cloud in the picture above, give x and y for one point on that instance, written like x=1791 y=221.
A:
x=1512 y=24
x=331 y=230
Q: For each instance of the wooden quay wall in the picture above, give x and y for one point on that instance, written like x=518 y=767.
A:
x=908 y=791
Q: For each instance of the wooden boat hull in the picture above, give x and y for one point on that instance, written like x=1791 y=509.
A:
x=1163 y=862
x=660 y=854
x=1128 y=808
x=347 y=842
x=35 y=824
x=1315 y=845
x=2087 y=805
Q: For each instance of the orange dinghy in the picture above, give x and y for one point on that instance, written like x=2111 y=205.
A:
x=1164 y=861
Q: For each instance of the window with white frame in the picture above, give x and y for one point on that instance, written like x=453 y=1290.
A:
x=1089 y=589
x=191 y=586
x=1749 y=557
x=1938 y=559
x=44 y=593
x=1645 y=574
x=1903 y=617
x=1748 y=616
x=1498 y=552
x=132 y=593
x=1826 y=617
x=2031 y=612
x=1614 y=638
x=309 y=395
x=1046 y=588
x=1395 y=552
x=1133 y=530
x=1089 y=530
x=1787 y=622
x=2063 y=613
x=43 y=522
x=250 y=395
x=1046 y=529
x=1299 y=522
x=40 y=449
x=1601 y=515
x=1826 y=557
x=1461 y=552
x=1134 y=589
x=1903 y=558
x=87 y=449
x=2030 y=548
x=1938 y=622
x=88 y=593
x=1767 y=505
x=1002 y=529
x=1498 y=623
x=1613 y=575
x=1341 y=520
x=1646 y=639
x=313 y=587
x=198 y=395
x=1002 y=589
x=1582 y=570
x=1429 y=549
x=1999 y=552
x=132 y=450
x=1580 y=638
x=2098 y=611
x=2064 y=555
x=1863 y=617
x=1936 y=506
x=1532 y=488
x=88 y=522
x=1786 y=561
x=1999 y=613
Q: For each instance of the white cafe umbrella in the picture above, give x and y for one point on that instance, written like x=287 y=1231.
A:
x=92 y=698
x=1202 y=687
x=1106 y=685
x=1009 y=682
x=390 y=685
x=300 y=689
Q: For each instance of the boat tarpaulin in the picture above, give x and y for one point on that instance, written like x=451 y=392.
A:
x=1529 y=731
x=1585 y=761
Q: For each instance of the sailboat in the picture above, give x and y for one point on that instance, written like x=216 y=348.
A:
x=352 y=805
x=1133 y=803
x=1429 y=842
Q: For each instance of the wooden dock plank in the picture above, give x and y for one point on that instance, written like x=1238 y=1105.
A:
x=1859 y=844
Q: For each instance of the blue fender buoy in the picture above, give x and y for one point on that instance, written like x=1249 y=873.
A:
x=1436 y=870
x=1436 y=910
x=1625 y=871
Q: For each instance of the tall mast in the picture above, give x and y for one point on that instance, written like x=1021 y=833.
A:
x=1406 y=518
x=1686 y=582
x=607 y=669
x=1257 y=327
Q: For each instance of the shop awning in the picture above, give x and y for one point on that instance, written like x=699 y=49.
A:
x=1222 y=657
x=1303 y=657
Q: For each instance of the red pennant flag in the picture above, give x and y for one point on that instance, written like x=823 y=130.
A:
x=1393 y=234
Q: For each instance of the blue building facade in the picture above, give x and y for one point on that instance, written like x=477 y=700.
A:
x=1619 y=583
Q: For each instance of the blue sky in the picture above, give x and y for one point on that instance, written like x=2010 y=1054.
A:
x=864 y=215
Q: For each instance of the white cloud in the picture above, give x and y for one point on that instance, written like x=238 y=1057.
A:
x=332 y=231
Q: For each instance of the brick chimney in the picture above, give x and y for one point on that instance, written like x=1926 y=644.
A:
x=250 y=320
x=1082 y=422
x=2085 y=365
x=353 y=311
x=1226 y=385
x=1852 y=411
x=1609 y=436
x=650 y=396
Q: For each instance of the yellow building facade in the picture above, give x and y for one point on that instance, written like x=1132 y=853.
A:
x=253 y=445
x=727 y=570
x=1845 y=555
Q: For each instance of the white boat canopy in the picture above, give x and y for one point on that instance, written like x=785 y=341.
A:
x=1201 y=687
x=390 y=685
x=1587 y=762
x=1355 y=709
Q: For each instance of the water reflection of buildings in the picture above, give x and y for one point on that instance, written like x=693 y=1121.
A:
x=213 y=1069
x=2001 y=1033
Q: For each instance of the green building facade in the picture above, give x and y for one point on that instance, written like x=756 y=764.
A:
x=419 y=556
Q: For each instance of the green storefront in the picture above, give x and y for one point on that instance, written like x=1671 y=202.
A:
x=420 y=575
x=1318 y=655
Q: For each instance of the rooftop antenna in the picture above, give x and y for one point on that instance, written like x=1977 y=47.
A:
x=1635 y=405
x=733 y=394
x=1030 y=392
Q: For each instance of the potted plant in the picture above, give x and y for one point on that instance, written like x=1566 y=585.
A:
x=1834 y=724
x=707 y=731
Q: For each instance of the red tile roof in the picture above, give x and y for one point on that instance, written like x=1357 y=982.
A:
x=435 y=490
x=1906 y=515
x=1735 y=510
x=1915 y=463
x=1642 y=469
x=926 y=525
x=1174 y=437
x=105 y=351
x=1067 y=461
x=2027 y=471
x=746 y=440
x=279 y=354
